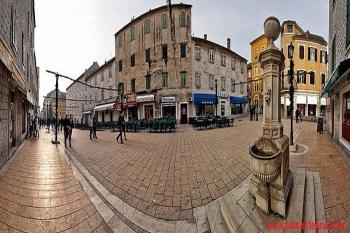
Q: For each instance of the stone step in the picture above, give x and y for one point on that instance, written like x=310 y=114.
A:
x=201 y=220
x=309 y=201
x=296 y=204
x=320 y=215
x=216 y=222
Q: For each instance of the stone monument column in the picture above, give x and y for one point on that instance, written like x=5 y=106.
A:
x=272 y=180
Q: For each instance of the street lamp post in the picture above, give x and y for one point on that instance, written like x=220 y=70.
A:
x=216 y=97
x=56 y=141
x=291 y=89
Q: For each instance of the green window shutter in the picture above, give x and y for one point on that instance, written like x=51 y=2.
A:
x=148 y=55
x=182 y=19
x=147 y=28
x=164 y=20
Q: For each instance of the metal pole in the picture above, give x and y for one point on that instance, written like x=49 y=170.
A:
x=291 y=90
x=56 y=141
x=216 y=97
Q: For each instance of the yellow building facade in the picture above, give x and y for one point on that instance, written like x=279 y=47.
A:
x=256 y=47
x=310 y=56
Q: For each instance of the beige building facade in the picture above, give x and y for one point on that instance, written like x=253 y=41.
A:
x=164 y=71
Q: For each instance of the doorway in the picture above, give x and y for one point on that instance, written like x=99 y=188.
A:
x=148 y=112
x=183 y=119
x=333 y=115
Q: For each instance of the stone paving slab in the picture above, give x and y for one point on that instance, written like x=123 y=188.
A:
x=167 y=175
x=39 y=193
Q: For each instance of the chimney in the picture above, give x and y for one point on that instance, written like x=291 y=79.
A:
x=228 y=43
x=205 y=36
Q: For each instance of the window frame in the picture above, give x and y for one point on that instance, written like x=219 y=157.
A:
x=223 y=59
x=183 y=79
x=197 y=79
x=148 y=82
x=133 y=85
x=164 y=48
x=165 y=79
x=183 y=50
x=313 y=76
x=120 y=65
x=211 y=55
x=132 y=34
x=148 y=55
x=303 y=54
x=164 y=21
x=147 y=26
x=223 y=83
x=182 y=19
x=211 y=81
x=132 y=60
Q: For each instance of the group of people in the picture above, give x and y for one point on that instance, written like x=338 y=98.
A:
x=254 y=113
x=34 y=123
x=298 y=115
x=92 y=121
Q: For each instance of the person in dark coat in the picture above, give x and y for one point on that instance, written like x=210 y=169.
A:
x=66 y=130
x=94 y=126
x=297 y=114
x=251 y=113
x=121 y=122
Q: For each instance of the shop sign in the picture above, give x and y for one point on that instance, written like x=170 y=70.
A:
x=223 y=95
x=168 y=99
x=145 y=98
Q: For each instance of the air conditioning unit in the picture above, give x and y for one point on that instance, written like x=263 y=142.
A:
x=190 y=99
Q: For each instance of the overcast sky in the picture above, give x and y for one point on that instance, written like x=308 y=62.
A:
x=71 y=34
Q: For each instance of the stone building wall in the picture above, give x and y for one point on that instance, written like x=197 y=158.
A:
x=4 y=114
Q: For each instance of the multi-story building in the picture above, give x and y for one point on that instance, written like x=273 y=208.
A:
x=256 y=47
x=103 y=105
x=77 y=100
x=164 y=71
x=84 y=100
x=310 y=65
x=249 y=84
x=49 y=105
x=338 y=85
x=19 y=76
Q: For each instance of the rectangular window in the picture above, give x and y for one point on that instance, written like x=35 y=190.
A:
x=133 y=85
x=120 y=41
x=323 y=55
x=312 y=78
x=183 y=48
x=148 y=55
x=233 y=64
x=164 y=20
x=312 y=54
x=242 y=67
x=110 y=92
x=301 y=52
x=148 y=82
x=233 y=85
x=290 y=28
x=211 y=81
x=198 y=80
x=102 y=78
x=132 y=33
x=13 y=25
x=121 y=88
x=110 y=72
x=223 y=83
x=182 y=19
x=147 y=26
x=323 y=79
x=211 y=56
x=223 y=60
x=183 y=78
x=120 y=63
x=165 y=52
x=102 y=94
x=132 y=60
x=198 y=53
x=301 y=76
x=165 y=79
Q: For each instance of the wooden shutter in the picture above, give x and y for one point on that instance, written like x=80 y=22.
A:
x=308 y=53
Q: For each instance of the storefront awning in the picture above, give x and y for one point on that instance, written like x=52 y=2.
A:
x=104 y=107
x=337 y=74
x=204 y=98
x=312 y=100
x=238 y=100
x=301 y=99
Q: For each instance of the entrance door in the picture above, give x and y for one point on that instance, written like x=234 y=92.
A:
x=183 y=119
x=222 y=109
x=148 y=112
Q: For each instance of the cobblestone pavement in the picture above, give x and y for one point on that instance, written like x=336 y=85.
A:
x=326 y=158
x=166 y=175
x=39 y=193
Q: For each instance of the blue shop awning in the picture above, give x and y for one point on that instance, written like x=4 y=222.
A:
x=204 y=98
x=238 y=100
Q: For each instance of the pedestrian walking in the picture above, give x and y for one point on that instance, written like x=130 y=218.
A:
x=30 y=120
x=36 y=126
x=256 y=113
x=121 y=127
x=251 y=113
x=297 y=113
x=94 y=126
x=91 y=124
x=66 y=130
